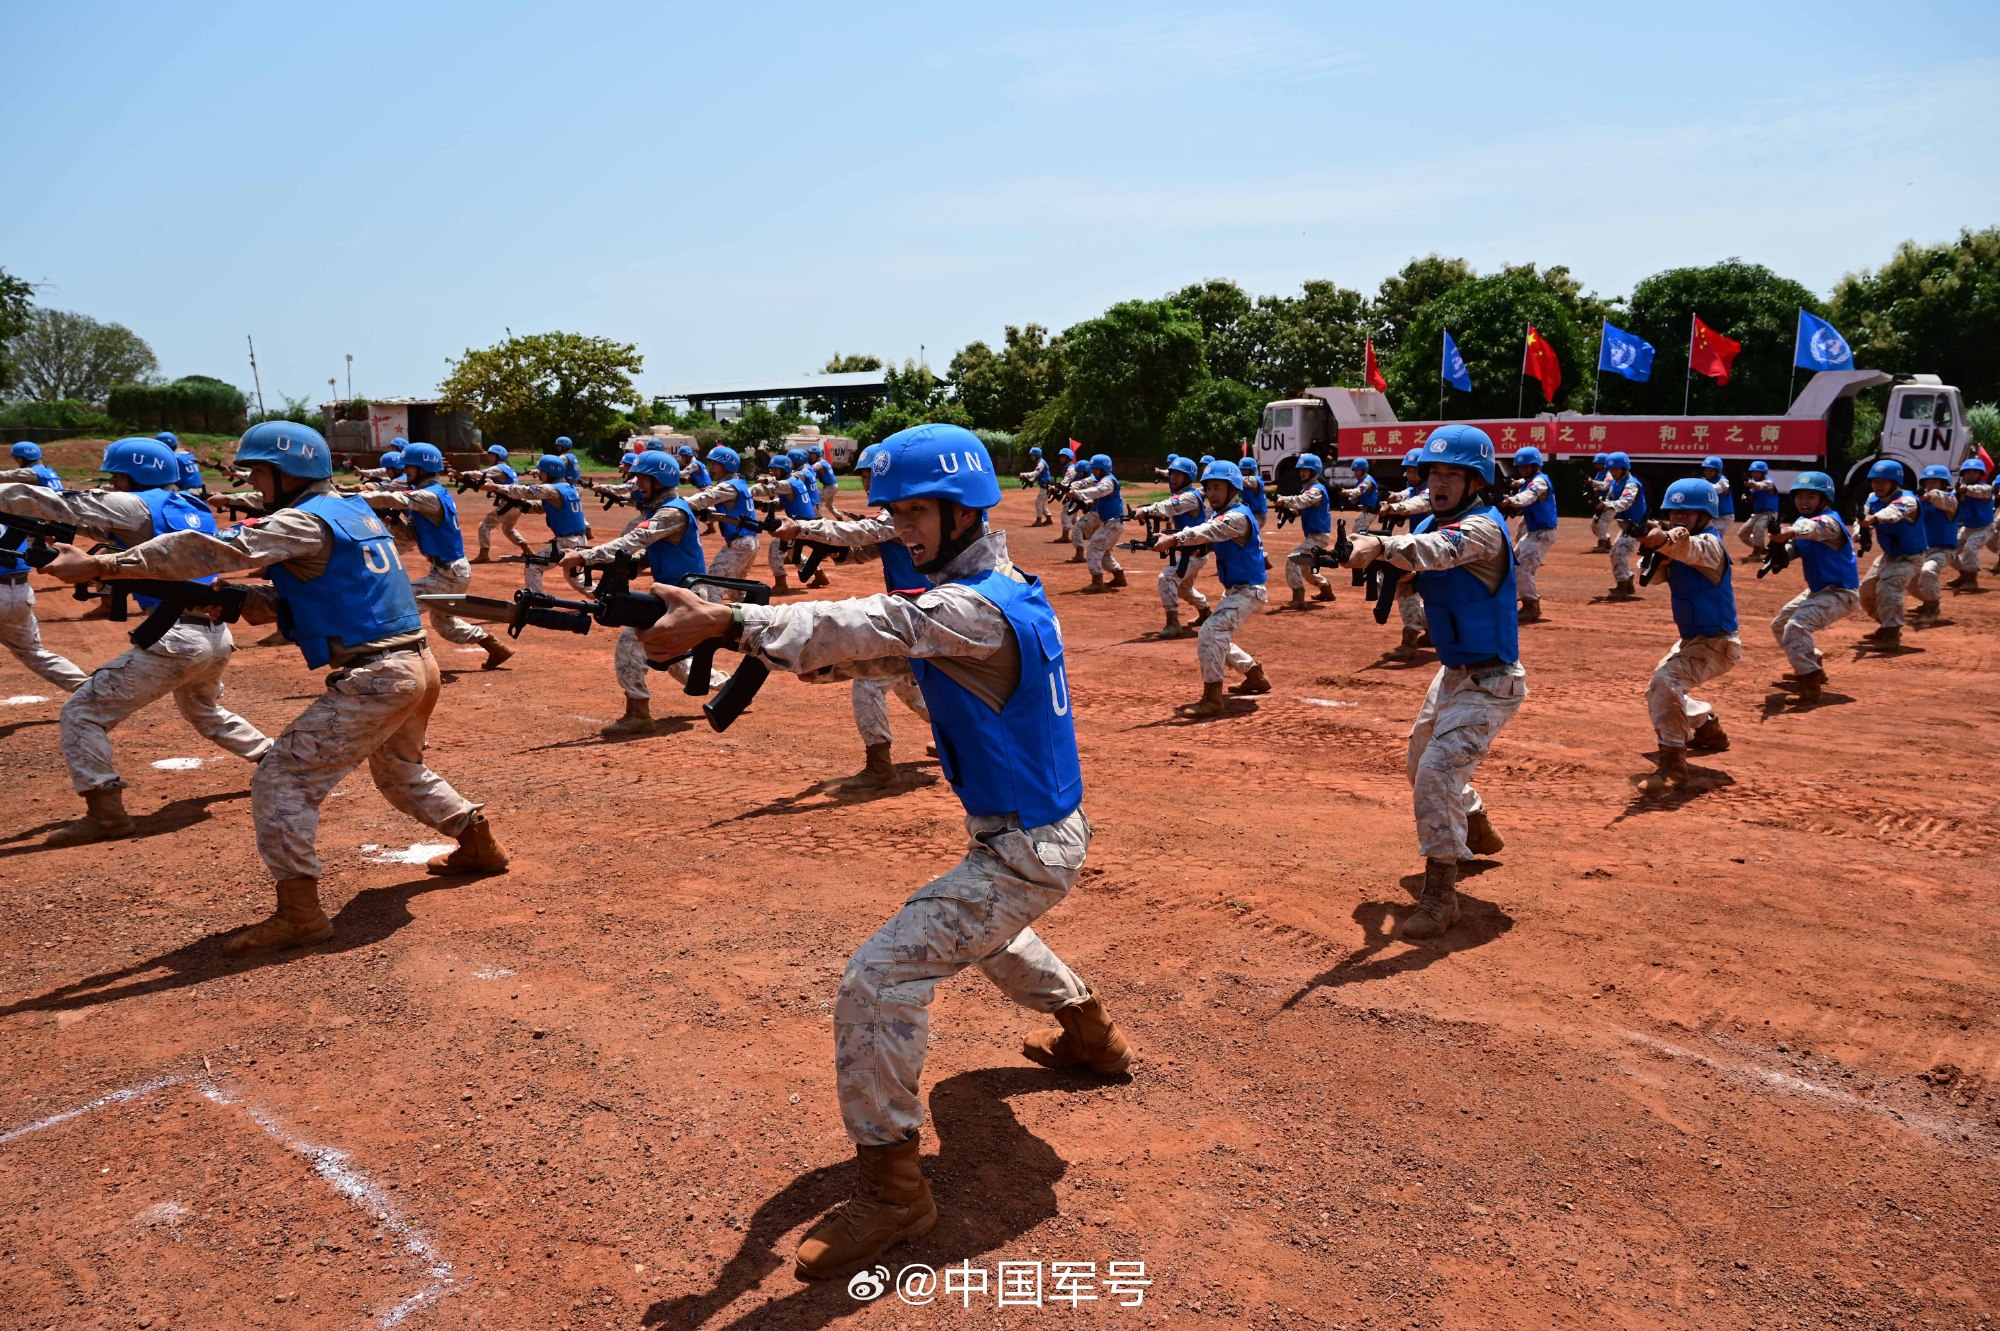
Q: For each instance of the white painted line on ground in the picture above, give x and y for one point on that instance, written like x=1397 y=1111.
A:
x=1326 y=702
x=492 y=973
x=178 y=764
x=417 y=854
x=115 y=1098
x=22 y=700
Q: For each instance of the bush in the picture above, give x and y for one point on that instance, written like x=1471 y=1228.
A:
x=1983 y=419
x=195 y=402
x=80 y=418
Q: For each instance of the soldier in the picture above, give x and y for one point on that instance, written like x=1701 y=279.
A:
x=1535 y=500
x=341 y=591
x=1083 y=521
x=188 y=662
x=1066 y=457
x=1597 y=483
x=1410 y=503
x=794 y=497
x=1704 y=604
x=1315 y=510
x=1183 y=507
x=729 y=500
x=829 y=484
x=1892 y=512
x=562 y=509
x=1832 y=574
x=1464 y=567
x=1717 y=475
x=572 y=469
x=1036 y=478
x=1624 y=500
x=1233 y=534
x=693 y=473
x=987 y=652
x=1975 y=521
x=505 y=514
x=1365 y=494
x=392 y=464
x=20 y=633
x=433 y=514
x=1107 y=504
x=1937 y=507
x=1764 y=504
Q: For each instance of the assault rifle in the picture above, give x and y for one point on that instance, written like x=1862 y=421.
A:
x=612 y=498
x=552 y=558
x=1183 y=556
x=616 y=605
x=1380 y=578
x=1778 y=556
x=34 y=540
x=1864 y=540
x=476 y=480
x=1649 y=560
x=173 y=600
x=1385 y=523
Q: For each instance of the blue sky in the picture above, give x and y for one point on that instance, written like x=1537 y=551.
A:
x=742 y=190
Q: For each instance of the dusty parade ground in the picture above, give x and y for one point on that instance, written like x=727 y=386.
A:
x=1711 y=1062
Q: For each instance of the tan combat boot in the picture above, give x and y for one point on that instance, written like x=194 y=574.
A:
x=1077 y=558
x=1437 y=908
x=1096 y=583
x=478 y=851
x=1406 y=650
x=1254 y=682
x=1623 y=590
x=819 y=579
x=1207 y=612
x=483 y=557
x=1118 y=577
x=1671 y=774
x=891 y=1203
x=638 y=720
x=1298 y=602
x=1966 y=581
x=875 y=773
x=1213 y=702
x=104 y=819
x=1084 y=1037
x=1325 y=592
x=1531 y=610
x=497 y=652
x=1885 y=637
x=1926 y=614
x=298 y=920
x=1810 y=685
x=1480 y=838
x=778 y=584
x=1709 y=738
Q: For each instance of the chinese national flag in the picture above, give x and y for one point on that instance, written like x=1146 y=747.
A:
x=1373 y=372
x=1713 y=353
x=1539 y=363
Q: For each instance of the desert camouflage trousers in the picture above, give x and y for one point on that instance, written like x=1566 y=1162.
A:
x=188 y=663
x=1691 y=661
x=1461 y=714
x=871 y=705
x=1756 y=530
x=1884 y=586
x=1623 y=547
x=1530 y=551
x=1931 y=568
x=450 y=580
x=506 y=522
x=1970 y=539
x=1296 y=566
x=1410 y=605
x=21 y=635
x=977 y=914
x=1215 y=649
x=1175 y=586
x=532 y=574
x=1806 y=614
x=1099 y=551
x=733 y=560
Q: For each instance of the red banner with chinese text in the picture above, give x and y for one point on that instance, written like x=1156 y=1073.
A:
x=1641 y=436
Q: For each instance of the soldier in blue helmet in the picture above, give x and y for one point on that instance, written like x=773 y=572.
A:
x=562 y=509
x=432 y=512
x=1184 y=507
x=1765 y=501
x=572 y=468
x=1410 y=503
x=1365 y=494
x=1975 y=520
x=1716 y=474
x=987 y=651
x=693 y=473
x=1104 y=493
x=1314 y=505
x=29 y=469
x=1624 y=500
x=1535 y=500
x=340 y=590
x=1037 y=478
x=1689 y=538
x=504 y=516
x=1597 y=484
x=1833 y=580
x=1079 y=520
x=141 y=502
x=1464 y=568
x=829 y=482
x=390 y=470
x=1227 y=527
x=20 y=632
x=1899 y=537
x=1937 y=510
x=727 y=499
x=793 y=495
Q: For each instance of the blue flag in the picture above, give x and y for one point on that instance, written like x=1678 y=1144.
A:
x=1820 y=346
x=1454 y=370
x=1626 y=354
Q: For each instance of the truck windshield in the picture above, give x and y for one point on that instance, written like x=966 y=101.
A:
x=1917 y=406
x=1280 y=418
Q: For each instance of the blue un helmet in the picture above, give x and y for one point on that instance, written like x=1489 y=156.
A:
x=1693 y=494
x=934 y=462
x=1601 y=460
x=1937 y=471
x=798 y=456
x=1221 y=469
x=148 y=462
x=1185 y=467
x=1206 y=458
x=1816 y=481
x=190 y=471
x=424 y=457
x=660 y=467
x=496 y=452
x=626 y=460
x=1618 y=461
x=684 y=451
x=1359 y=465
x=1973 y=463
x=1886 y=469
x=552 y=467
x=1034 y=452
x=1523 y=457
x=1100 y=462
x=393 y=459
x=1249 y=467
x=563 y=444
x=1759 y=467
x=653 y=444
x=1309 y=462
x=26 y=452
x=725 y=457
x=1712 y=464
x=781 y=463
x=1465 y=446
x=296 y=450
x=169 y=438
x=1415 y=458
x=1069 y=453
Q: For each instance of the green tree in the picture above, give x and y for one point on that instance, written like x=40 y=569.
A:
x=1124 y=373
x=1488 y=318
x=1585 y=307
x=855 y=407
x=1745 y=301
x=1404 y=292
x=1216 y=416
x=1310 y=340
x=1220 y=307
x=535 y=387
x=1932 y=309
x=17 y=298
x=761 y=426
x=59 y=354
x=999 y=389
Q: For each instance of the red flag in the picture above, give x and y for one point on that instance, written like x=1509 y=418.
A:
x=1373 y=372
x=1540 y=363
x=1712 y=353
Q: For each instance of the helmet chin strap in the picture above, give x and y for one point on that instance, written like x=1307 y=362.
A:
x=951 y=547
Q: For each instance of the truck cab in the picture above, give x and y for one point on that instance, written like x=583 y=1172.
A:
x=1292 y=426
x=1923 y=423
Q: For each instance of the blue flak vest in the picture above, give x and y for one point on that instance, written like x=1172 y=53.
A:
x=572 y=468
x=1940 y=527
x=1765 y=501
x=1897 y=538
x=47 y=475
x=804 y=476
x=1541 y=515
x=798 y=500
x=174 y=511
x=696 y=475
x=1255 y=499
x=899 y=571
x=1702 y=608
x=670 y=561
x=738 y=514
x=823 y=472
x=1192 y=518
x=1111 y=508
x=1370 y=497
x=1021 y=760
x=1725 y=501
x=1830 y=565
x=1469 y=624
x=1975 y=513
x=363 y=596
x=1241 y=565
x=1317 y=520
x=440 y=540
x=508 y=475
x=1636 y=513
x=566 y=517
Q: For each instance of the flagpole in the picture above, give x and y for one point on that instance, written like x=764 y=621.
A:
x=1598 y=383
x=1687 y=387
x=1521 y=379
x=1443 y=334
x=1793 y=386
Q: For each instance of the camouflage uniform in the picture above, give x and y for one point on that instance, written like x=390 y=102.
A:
x=376 y=707
x=1887 y=580
x=1810 y=611
x=1295 y=563
x=1621 y=497
x=1414 y=504
x=1215 y=648
x=733 y=560
x=980 y=912
x=1531 y=548
x=1465 y=707
x=1971 y=539
x=187 y=662
x=443 y=579
x=494 y=518
x=1933 y=562
x=1175 y=586
x=21 y=635
x=1757 y=528
x=1691 y=661
x=545 y=495
x=1101 y=539
x=869 y=698
x=628 y=658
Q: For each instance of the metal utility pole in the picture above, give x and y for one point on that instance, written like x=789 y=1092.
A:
x=350 y=376
x=253 y=373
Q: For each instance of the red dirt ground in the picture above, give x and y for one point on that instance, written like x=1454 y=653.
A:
x=1713 y=1063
